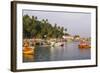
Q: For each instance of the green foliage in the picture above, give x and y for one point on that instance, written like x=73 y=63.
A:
x=32 y=27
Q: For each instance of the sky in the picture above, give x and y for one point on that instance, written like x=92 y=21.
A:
x=76 y=23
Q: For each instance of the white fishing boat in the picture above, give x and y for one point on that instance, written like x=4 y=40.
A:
x=59 y=44
x=56 y=44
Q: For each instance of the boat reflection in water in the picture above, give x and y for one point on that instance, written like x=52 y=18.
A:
x=69 y=51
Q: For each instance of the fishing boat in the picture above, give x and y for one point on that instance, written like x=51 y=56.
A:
x=27 y=50
x=59 y=44
x=84 y=44
x=56 y=44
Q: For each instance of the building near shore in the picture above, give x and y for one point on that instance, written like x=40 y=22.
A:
x=68 y=37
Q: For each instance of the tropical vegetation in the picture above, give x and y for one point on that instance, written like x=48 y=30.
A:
x=33 y=27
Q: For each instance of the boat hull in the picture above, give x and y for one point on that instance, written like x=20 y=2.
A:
x=84 y=46
x=28 y=51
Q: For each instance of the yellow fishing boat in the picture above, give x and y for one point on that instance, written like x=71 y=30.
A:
x=27 y=50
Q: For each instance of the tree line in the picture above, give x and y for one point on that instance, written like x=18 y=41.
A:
x=33 y=27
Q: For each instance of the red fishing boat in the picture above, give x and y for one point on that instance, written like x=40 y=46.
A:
x=84 y=44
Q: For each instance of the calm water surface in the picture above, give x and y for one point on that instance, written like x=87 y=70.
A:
x=69 y=51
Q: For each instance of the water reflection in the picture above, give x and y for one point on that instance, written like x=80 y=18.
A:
x=69 y=51
x=27 y=58
x=42 y=53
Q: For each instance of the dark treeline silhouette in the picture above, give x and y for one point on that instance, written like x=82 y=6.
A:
x=33 y=27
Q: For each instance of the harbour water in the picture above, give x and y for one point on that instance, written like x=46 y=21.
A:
x=69 y=51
